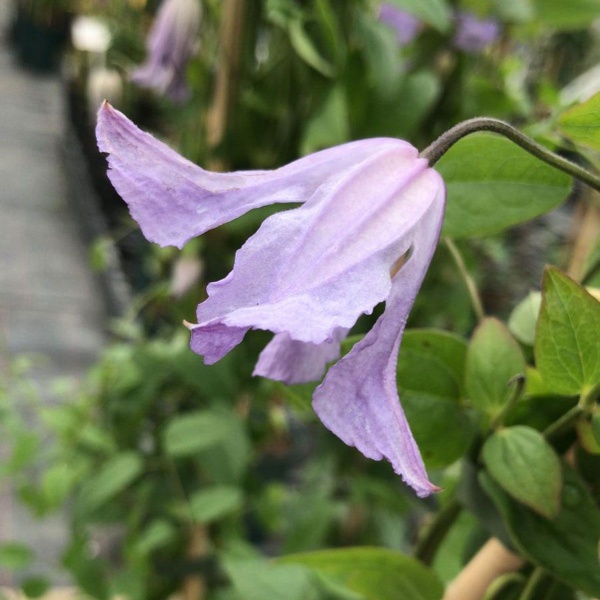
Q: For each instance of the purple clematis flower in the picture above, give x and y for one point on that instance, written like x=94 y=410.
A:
x=171 y=42
x=473 y=35
x=405 y=25
x=366 y=229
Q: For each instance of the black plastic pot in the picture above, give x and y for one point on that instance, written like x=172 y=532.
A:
x=39 y=45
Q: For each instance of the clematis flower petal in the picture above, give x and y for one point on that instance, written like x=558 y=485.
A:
x=174 y=200
x=318 y=267
x=309 y=272
x=291 y=361
x=172 y=41
x=358 y=401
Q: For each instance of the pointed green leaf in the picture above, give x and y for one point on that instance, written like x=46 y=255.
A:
x=571 y=14
x=596 y=427
x=191 y=433
x=526 y=466
x=154 y=536
x=493 y=184
x=14 y=556
x=523 y=318
x=256 y=579
x=215 y=502
x=567 y=345
x=376 y=573
x=581 y=123
x=35 y=587
x=306 y=49
x=111 y=479
x=493 y=359
x=566 y=546
x=430 y=379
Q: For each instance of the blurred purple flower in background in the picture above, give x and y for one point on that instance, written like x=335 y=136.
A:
x=365 y=233
x=171 y=42
x=405 y=25
x=472 y=34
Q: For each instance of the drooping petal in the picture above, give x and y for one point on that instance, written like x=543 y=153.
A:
x=405 y=26
x=172 y=41
x=316 y=268
x=358 y=401
x=214 y=341
x=291 y=361
x=472 y=34
x=173 y=200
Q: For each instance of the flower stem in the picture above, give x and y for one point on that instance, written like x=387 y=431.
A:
x=435 y=534
x=439 y=147
x=469 y=282
x=533 y=582
x=563 y=423
x=518 y=381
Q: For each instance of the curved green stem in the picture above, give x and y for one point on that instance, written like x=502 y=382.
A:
x=518 y=381
x=469 y=282
x=564 y=423
x=435 y=534
x=533 y=582
x=439 y=147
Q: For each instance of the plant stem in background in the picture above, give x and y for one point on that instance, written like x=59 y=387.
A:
x=439 y=147
x=226 y=84
x=469 y=282
x=435 y=534
x=533 y=583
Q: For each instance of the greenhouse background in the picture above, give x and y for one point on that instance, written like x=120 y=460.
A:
x=131 y=468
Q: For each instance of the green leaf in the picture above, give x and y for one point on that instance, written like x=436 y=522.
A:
x=191 y=433
x=256 y=579
x=376 y=573
x=329 y=126
x=215 y=502
x=401 y=114
x=596 y=426
x=585 y=434
x=493 y=184
x=515 y=11
x=34 y=587
x=24 y=451
x=566 y=546
x=156 y=535
x=523 y=319
x=493 y=359
x=434 y=12
x=581 y=123
x=113 y=478
x=14 y=556
x=57 y=482
x=226 y=461
x=526 y=466
x=306 y=50
x=430 y=375
x=559 y=14
x=567 y=345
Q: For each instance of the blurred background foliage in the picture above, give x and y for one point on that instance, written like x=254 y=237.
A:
x=178 y=478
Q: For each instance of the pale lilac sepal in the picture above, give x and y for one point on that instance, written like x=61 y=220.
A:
x=473 y=34
x=174 y=200
x=172 y=41
x=358 y=401
x=291 y=361
x=405 y=26
x=316 y=268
